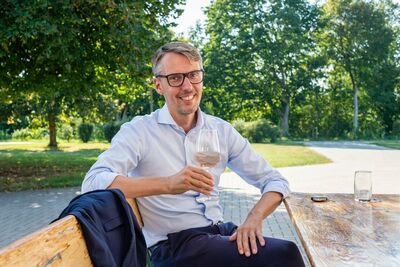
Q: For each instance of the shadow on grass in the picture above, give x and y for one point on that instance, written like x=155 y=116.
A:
x=24 y=182
x=55 y=151
x=25 y=169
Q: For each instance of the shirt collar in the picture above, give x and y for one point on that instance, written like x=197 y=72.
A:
x=164 y=117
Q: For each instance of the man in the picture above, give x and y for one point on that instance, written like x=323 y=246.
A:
x=151 y=159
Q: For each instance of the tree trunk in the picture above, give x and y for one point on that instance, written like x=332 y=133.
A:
x=151 y=99
x=355 y=115
x=52 y=131
x=124 y=113
x=285 y=119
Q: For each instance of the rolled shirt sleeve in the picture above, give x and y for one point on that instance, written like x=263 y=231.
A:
x=251 y=167
x=122 y=157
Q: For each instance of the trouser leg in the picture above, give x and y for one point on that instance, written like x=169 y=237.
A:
x=211 y=247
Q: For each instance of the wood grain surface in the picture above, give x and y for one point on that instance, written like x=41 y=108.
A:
x=59 y=244
x=344 y=232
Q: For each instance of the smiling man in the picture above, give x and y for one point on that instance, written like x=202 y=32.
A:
x=152 y=159
x=182 y=87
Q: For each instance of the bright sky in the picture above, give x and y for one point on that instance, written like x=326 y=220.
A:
x=193 y=12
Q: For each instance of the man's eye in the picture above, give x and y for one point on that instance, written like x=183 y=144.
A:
x=174 y=77
x=193 y=74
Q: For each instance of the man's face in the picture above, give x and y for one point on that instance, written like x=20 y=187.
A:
x=184 y=100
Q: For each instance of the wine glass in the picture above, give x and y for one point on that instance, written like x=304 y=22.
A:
x=207 y=153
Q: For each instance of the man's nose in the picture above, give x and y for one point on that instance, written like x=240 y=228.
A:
x=186 y=83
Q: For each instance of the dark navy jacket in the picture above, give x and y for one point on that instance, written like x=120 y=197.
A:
x=111 y=231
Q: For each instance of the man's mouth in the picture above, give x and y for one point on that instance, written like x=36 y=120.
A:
x=187 y=98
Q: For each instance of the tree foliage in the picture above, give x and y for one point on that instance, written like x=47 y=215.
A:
x=71 y=52
x=281 y=56
x=261 y=50
x=358 y=39
x=328 y=70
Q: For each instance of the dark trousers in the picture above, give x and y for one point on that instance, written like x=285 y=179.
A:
x=210 y=246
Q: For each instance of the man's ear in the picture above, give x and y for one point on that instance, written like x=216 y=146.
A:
x=157 y=86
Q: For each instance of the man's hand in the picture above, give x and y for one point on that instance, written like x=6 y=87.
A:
x=248 y=234
x=191 y=178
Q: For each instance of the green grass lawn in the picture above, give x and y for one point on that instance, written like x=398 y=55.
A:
x=388 y=143
x=285 y=155
x=34 y=166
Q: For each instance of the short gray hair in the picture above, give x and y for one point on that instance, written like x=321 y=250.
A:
x=184 y=49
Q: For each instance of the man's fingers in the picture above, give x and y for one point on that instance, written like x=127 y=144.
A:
x=205 y=179
x=253 y=242
x=201 y=187
x=245 y=244
x=246 y=240
x=239 y=243
x=261 y=239
x=201 y=181
x=201 y=171
x=233 y=237
x=191 y=178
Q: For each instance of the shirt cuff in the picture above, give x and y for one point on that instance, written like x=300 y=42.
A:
x=277 y=187
x=99 y=181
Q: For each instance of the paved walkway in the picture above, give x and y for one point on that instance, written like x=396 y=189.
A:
x=24 y=212
x=347 y=157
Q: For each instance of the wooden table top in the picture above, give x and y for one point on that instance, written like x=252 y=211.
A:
x=344 y=232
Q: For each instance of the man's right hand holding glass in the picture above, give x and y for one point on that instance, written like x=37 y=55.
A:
x=189 y=178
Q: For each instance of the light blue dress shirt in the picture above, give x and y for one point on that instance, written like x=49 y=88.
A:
x=154 y=145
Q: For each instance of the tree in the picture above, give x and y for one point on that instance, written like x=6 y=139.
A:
x=287 y=52
x=357 y=39
x=261 y=51
x=66 y=51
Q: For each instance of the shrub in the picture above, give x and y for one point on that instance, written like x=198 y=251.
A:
x=85 y=132
x=98 y=132
x=241 y=126
x=27 y=134
x=111 y=129
x=265 y=131
x=259 y=131
x=371 y=129
x=4 y=135
x=396 y=128
x=22 y=134
x=66 y=132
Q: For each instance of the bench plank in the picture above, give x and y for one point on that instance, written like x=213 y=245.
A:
x=59 y=244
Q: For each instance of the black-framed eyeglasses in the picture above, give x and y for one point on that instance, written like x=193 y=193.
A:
x=177 y=79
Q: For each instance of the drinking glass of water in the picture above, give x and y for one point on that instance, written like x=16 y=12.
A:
x=207 y=153
x=362 y=186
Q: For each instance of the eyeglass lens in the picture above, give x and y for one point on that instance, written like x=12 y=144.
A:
x=178 y=78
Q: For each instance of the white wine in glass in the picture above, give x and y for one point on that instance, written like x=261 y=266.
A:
x=207 y=153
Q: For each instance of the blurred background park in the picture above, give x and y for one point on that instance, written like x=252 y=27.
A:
x=281 y=71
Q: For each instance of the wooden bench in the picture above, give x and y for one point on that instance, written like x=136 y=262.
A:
x=58 y=244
